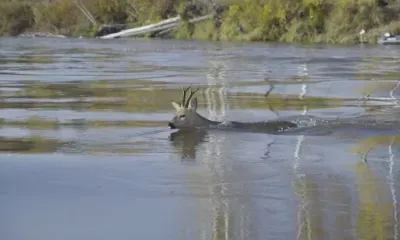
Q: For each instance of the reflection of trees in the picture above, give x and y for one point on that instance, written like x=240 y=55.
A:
x=34 y=144
x=311 y=215
x=25 y=59
x=393 y=190
x=303 y=214
x=378 y=217
x=366 y=145
x=375 y=218
x=226 y=211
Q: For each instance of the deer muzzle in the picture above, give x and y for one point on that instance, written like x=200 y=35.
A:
x=171 y=125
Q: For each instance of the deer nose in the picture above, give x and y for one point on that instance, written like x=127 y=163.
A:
x=171 y=125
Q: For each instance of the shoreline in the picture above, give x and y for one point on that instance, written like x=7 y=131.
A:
x=278 y=21
x=47 y=35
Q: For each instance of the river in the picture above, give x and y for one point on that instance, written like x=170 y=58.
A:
x=85 y=151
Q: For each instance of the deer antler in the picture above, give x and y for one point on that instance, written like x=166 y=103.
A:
x=190 y=96
x=184 y=95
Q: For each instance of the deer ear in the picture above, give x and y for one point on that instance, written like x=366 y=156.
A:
x=193 y=104
x=176 y=105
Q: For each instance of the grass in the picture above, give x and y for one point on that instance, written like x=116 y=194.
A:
x=304 y=21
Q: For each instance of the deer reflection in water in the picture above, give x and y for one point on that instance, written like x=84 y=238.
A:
x=187 y=141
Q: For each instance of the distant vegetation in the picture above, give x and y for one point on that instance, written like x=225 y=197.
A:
x=328 y=21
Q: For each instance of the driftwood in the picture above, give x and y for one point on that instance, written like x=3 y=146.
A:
x=167 y=24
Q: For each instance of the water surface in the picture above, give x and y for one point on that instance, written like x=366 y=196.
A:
x=86 y=152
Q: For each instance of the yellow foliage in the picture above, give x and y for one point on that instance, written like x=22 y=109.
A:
x=15 y=17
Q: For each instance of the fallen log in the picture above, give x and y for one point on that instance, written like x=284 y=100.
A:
x=160 y=26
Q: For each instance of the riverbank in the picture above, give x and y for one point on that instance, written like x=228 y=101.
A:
x=309 y=21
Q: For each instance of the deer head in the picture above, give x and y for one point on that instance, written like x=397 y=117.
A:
x=186 y=115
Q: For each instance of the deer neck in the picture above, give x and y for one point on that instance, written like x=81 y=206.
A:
x=206 y=122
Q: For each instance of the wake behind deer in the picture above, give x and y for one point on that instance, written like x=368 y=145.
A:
x=187 y=118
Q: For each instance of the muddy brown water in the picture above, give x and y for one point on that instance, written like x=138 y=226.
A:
x=85 y=151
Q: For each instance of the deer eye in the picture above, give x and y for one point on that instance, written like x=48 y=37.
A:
x=182 y=116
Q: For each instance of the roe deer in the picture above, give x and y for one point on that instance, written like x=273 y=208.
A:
x=187 y=118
